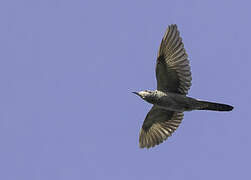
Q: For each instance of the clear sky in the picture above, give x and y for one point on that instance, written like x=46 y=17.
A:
x=67 y=70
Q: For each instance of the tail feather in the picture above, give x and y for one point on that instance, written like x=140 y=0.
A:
x=215 y=106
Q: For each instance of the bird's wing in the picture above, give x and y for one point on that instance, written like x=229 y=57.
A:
x=159 y=124
x=172 y=68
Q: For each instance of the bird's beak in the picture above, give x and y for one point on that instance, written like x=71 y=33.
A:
x=136 y=93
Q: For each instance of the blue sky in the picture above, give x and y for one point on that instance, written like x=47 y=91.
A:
x=67 y=71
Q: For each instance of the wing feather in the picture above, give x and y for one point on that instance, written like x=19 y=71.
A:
x=158 y=126
x=172 y=69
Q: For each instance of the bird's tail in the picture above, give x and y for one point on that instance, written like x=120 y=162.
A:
x=205 y=105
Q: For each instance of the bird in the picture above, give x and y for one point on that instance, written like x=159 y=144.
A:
x=170 y=100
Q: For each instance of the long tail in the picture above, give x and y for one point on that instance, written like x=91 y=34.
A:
x=205 y=105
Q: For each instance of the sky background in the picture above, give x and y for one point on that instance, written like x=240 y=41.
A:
x=67 y=70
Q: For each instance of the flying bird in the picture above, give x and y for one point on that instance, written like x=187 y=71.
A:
x=170 y=100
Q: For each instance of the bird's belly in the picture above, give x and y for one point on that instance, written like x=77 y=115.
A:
x=173 y=108
x=178 y=104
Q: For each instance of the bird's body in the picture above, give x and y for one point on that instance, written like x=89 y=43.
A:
x=178 y=102
x=170 y=99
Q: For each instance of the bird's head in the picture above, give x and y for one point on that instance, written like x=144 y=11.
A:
x=147 y=95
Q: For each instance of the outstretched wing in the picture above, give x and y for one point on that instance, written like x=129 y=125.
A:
x=172 y=68
x=159 y=124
